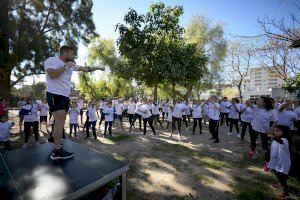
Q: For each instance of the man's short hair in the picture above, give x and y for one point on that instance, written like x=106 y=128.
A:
x=65 y=48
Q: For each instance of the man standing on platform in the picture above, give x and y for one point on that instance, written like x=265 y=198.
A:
x=58 y=72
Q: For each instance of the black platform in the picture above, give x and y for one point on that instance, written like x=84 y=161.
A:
x=30 y=174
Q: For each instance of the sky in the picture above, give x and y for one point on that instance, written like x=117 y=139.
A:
x=238 y=16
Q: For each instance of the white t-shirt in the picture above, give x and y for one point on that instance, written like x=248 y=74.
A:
x=5 y=130
x=155 y=110
x=280 y=156
x=165 y=107
x=224 y=105
x=119 y=109
x=145 y=110
x=73 y=114
x=170 y=116
x=205 y=108
x=92 y=114
x=297 y=111
x=109 y=113
x=178 y=110
x=197 y=111
x=80 y=104
x=286 y=118
x=261 y=119
x=247 y=115
x=234 y=112
x=131 y=108
x=186 y=109
x=138 y=108
x=33 y=115
x=44 y=109
x=62 y=84
x=214 y=112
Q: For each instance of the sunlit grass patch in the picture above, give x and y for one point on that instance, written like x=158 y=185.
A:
x=204 y=179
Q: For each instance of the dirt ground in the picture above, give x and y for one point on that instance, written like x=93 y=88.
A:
x=193 y=168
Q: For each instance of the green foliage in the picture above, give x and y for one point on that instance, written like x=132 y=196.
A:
x=153 y=50
x=31 y=31
x=39 y=90
x=292 y=84
x=104 y=88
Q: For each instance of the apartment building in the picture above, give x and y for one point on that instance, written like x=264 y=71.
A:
x=261 y=81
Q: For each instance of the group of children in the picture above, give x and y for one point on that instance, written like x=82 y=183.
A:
x=274 y=121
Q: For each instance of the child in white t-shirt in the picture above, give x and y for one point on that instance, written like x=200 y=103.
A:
x=280 y=161
x=92 y=116
x=5 y=127
x=44 y=109
x=74 y=113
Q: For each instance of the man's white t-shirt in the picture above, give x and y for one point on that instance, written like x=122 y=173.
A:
x=62 y=84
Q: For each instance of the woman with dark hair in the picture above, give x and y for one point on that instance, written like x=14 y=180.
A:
x=262 y=116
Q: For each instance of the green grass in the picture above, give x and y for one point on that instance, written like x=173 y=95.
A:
x=250 y=189
x=211 y=163
x=120 y=138
x=204 y=179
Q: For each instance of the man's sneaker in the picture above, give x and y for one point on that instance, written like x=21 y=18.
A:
x=25 y=145
x=252 y=154
x=239 y=135
x=282 y=196
x=266 y=168
x=229 y=133
x=60 y=154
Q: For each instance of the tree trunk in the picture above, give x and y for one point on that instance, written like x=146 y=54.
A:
x=5 y=86
x=173 y=91
x=188 y=93
x=240 y=90
x=4 y=51
x=155 y=93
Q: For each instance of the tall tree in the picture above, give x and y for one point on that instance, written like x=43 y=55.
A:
x=31 y=31
x=144 y=41
x=240 y=57
x=209 y=39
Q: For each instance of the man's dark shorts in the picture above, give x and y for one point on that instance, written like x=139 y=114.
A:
x=57 y=102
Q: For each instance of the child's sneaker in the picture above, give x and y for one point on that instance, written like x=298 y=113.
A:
x=252 y=154
x=282 y=196
x=266 y=168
